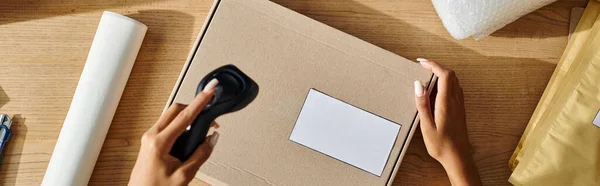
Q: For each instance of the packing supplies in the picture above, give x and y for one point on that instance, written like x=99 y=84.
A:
x=110 y=60
x=479 y=18
x=561 y=144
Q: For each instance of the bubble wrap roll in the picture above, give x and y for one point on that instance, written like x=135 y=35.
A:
x=480 y=18
x=109 y=63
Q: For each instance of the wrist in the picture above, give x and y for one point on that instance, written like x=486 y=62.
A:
x=460 y=168
x=452 y=162
x=454 y=157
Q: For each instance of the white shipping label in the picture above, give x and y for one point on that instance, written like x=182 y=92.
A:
x=345 y=132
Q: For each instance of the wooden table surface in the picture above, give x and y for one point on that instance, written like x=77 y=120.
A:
x=44 y=45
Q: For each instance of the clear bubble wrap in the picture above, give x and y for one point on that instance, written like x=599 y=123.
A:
x=480 y=18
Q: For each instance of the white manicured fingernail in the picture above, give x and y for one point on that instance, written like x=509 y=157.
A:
x=210 y=86
x=214 y=139
x=418 y=88
x=422 y=60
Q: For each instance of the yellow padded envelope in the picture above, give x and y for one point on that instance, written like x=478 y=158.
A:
x=567 y=151
x=556 y=85
x=561 y=145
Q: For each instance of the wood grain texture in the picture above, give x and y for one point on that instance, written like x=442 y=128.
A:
x=44 y=44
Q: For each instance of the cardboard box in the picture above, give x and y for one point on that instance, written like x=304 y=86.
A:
x=287 y=54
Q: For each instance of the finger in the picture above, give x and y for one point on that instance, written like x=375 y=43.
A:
x=445 y=76
x=456 y=80
x=168 y=116
x=423 y=108
x=459 y=91
x=187 y=115
x=201 y=154
x=215 y=125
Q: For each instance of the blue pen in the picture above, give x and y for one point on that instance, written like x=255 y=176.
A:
x=5 y=123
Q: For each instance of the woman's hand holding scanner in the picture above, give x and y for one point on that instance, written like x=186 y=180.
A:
x=154 y=165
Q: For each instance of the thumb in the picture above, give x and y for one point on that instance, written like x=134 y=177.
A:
x=423 y=108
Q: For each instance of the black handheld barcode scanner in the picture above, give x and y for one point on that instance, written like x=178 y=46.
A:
x=234 y=92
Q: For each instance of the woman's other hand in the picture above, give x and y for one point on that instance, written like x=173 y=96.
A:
x=444 y=127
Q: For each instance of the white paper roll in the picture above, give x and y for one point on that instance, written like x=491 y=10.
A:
x=111 y=57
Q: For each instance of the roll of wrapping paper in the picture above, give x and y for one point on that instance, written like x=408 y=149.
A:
x=111 y=57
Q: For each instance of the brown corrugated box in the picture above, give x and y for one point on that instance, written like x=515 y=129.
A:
x=287 y=53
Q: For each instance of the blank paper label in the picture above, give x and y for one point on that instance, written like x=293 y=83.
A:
x=345 y=132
